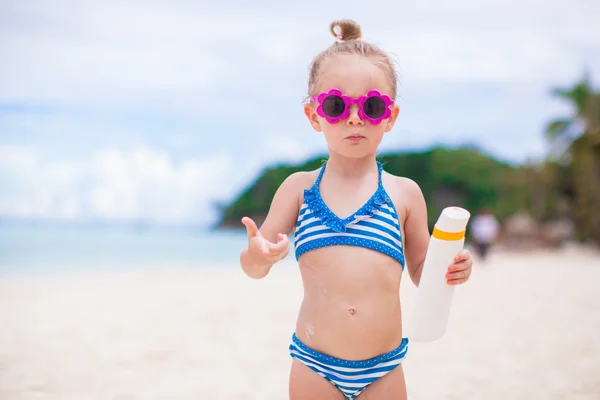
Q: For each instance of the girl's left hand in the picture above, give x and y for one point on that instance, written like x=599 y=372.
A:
x=460 y=271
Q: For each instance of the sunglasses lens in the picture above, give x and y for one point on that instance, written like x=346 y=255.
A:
x=333 y=106
x=374 y=107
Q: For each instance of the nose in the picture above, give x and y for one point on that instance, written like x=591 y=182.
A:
x=354 y=119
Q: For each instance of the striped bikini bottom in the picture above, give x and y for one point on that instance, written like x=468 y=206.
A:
x=350 y=377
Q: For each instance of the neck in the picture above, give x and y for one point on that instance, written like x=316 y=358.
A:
x=351 y=167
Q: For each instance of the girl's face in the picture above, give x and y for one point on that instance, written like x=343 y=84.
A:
x=354 y=76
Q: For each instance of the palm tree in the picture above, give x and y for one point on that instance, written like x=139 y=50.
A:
x=575 y=141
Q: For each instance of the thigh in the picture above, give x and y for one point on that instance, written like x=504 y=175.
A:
x=306 y=384
x=391 y=386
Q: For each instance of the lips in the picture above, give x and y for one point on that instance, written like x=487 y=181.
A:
x=355 y=138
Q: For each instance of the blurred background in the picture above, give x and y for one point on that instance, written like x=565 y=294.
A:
x=134 y=134
x=130 y=129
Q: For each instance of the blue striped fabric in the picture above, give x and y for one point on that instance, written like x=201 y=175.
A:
x=350 y=377
x=374 y=226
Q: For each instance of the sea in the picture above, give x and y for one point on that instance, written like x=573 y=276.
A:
x=50 y=248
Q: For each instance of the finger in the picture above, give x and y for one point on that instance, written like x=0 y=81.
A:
x=285 y=253
x=280 y=246
x=461 y=266
x=454 y=282
x=458 y=274
x=251 y=227
x=463 y=255
x=264 y=248
x=259 y=245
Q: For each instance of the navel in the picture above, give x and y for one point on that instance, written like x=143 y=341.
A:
x=351 y=311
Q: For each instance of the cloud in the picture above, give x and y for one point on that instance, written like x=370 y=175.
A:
x=148 y=109
x=141 y=183
x=147 y=52
x=130 y=52
x=292 y=150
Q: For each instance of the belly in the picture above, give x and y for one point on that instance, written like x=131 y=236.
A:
x=351 y=306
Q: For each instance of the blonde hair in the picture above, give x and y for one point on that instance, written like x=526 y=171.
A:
x=349 y=41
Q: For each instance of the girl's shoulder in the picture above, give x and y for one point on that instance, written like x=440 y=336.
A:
x=301 y=179
x=404 y=191
x=296 y=183
x=404 y=183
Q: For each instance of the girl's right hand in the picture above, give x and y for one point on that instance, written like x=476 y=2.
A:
x=261 y=251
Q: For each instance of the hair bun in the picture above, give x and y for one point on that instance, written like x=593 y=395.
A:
x=345 y=30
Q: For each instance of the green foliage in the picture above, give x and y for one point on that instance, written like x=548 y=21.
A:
x=578 y=94
x=556 y=128
x=560 y=187
x=462 y=177
x=581 y=155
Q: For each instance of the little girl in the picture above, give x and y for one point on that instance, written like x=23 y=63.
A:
x=356 y=228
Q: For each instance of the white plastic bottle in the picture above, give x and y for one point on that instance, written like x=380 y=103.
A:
x=434 y=296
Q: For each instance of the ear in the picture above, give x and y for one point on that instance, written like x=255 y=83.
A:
x=392 y=119
x=313 y=118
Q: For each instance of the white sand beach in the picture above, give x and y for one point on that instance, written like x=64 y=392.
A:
x=525 y=327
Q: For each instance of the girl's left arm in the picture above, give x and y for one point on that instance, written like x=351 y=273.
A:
x=416 y=229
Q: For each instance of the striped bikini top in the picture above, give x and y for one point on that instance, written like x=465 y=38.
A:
x=374 y=226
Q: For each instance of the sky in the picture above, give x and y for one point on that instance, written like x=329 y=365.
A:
x=150 y=110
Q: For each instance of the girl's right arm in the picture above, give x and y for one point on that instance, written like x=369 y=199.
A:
x=270 y=243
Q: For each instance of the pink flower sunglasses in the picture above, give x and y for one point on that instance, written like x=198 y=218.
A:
x=335 y=106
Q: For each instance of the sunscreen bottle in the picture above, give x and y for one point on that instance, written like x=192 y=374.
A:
x=434 y=296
